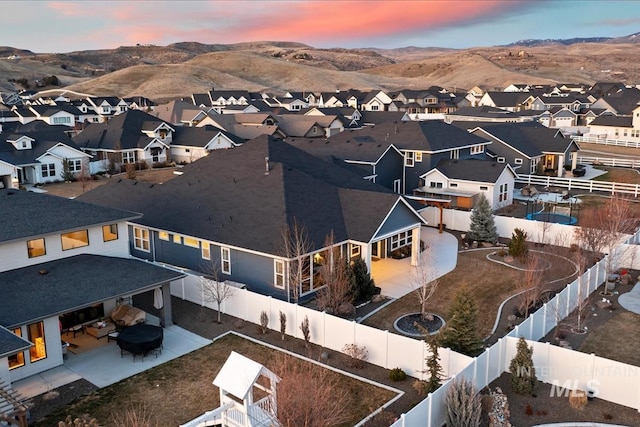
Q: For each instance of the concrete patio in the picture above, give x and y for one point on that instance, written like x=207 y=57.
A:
x=104 y=365
x=393 y=276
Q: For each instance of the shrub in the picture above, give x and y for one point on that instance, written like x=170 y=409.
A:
x=264 y=322
x=523 y=373
x=362 y=285
x=358 y=354
x=283 y=324
x=518 y=245
x=464 y=407
x=482 y=227
x=130 y=169
x=461 y=333
x=397 y=374
x=306 y=333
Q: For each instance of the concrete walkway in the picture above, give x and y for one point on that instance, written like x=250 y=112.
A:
x=393 y=276
x=104 y=365
x=631 y=300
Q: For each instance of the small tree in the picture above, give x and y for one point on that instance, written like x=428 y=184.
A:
x=464 y=407
x=461 y=332
x=336 y=276
x=362 y=286
x=518 y=247
x=423 y=276
x=213 y=290
x=296 y=248
x=283 y=325
x=264 y=322
x=434 y=369
x=523 y=373
x=306 y=332
x=359 y=354
x=532 y=283
x=66 y=174
x=483 y=227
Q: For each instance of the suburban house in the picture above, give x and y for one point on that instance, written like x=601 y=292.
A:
x=180 y=113
x=63 y=264
x=191 y=143
x=225 y=215
x=107 y=107
x=461 y=181
x=530 y=148
x=131 y=137
x=490 y=114
x=40 y=156
x=510 y=101
x=608 y=126
x=309 y=126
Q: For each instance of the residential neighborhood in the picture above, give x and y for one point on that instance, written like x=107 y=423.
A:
x=268 y=202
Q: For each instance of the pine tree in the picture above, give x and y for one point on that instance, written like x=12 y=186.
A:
x=518 y=246
x=434 y=369
x=523 y=373
x=362 y=285
x=482 y=227
x=461 y=332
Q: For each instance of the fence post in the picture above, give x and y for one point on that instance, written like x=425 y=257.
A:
x=430 y=402
x=544 y=319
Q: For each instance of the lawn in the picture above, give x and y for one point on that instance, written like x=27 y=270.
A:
x=624 y=175
x=180 y=390
x=612 y=339
x=490 y=283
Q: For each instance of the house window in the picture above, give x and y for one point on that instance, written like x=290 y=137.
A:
x=61 y=120
x=374 y=107
x=278 y=273
x=36 y=248
x=35 y=334
x=355 y=250
x=502 y=196
x=483 y=188
x=206 y=250
x=434 y=184
x=189 y=241
x=110 y=232
x=501 y=160
x=534 y=166
x=48 y=170
x=453 y=185
x=163 y=235
x=141 y=239
x=518 y=161
x=418 y=156
x=75 y=165
x=400 y=240
x=225 y=256
x=408 y=158
x=105 y=110
x=75 y=239
x=16 y=360
x=455 y=154
x=128 y=157
x=155 y=155
x=477 y=149
x=177 y=239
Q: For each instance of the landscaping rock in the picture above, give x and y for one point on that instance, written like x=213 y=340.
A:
x=578 y=399
x=346 y=309
x=377 y=298
x=499 y=413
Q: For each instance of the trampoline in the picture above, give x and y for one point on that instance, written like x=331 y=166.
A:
x=140 y=340
x=553 y=217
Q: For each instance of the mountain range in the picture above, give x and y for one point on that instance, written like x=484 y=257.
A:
x=168 y=72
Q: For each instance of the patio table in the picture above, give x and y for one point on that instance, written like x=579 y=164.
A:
x=140 y=339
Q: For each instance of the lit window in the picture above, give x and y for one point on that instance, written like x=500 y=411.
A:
x=418 y=156
x=278 y=273
x=75 y=239
x=177 y=239
x=35 y=334
x=141 y=239
x=36 y=248
x=16 y=360
x=188 y=241
x=206 y=250
x=163 y=235
x=110 y=232
x=225 y=255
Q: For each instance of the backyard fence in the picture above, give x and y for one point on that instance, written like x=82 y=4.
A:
x=573 y=184
x=609 y=161
x=603 y=140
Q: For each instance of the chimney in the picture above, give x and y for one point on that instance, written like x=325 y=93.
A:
x=266 y=165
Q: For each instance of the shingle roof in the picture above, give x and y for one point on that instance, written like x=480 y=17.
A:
x=357 y=148
x=200 y=136
x=531 y=139
x=43 y=141
x=26 y=214
x=611 y=120
x=227 y=197
x=10 y=343
x=471 y=170
x=71 y=283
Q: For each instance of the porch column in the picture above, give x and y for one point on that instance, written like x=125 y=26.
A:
x=560 y=165
x=574 y=161
x=415 y=246
x=365 y=254
x=166 y=316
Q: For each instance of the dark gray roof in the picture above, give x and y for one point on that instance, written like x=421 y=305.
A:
x=530 y=138
x=509 y=99
x=122 y=132
x=72 y=283
x=611 y=120
x=471 y=170
x=43 y=141
x=357 y=148
x=11 y=344
x=26 y=214
x=200 y=136
x=625 y=101
x=228 y=197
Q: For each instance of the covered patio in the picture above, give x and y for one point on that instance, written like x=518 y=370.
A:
x=393 y=276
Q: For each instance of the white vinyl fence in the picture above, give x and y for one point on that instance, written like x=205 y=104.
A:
x=573 y=184
x=603 y=140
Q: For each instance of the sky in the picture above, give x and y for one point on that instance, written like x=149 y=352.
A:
x=66 y=26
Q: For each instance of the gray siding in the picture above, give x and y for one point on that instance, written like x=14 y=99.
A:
x=389 y=168
x=401 y=217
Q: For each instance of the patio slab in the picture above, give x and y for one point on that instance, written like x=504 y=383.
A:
x=104 y=365
x=631 y=300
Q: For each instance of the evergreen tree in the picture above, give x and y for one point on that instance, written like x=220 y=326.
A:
x=362 y=285
x=434 y=369
x=518 y=246
x=461 y=332
x=523 y=373
x=66 y=173
x=482 y=227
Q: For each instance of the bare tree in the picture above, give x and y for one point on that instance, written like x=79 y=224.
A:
x=310 y=396
x=84 y=176
x=334 y=274
x=283 y=324
x=213 y=290
x=531 y=286
x=296 y=249
x=424 y=277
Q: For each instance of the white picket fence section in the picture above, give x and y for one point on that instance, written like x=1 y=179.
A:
x=603 y=140
x=573 y=184
x=609 y=161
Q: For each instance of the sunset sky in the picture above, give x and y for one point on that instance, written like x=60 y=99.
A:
x=65 y=26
